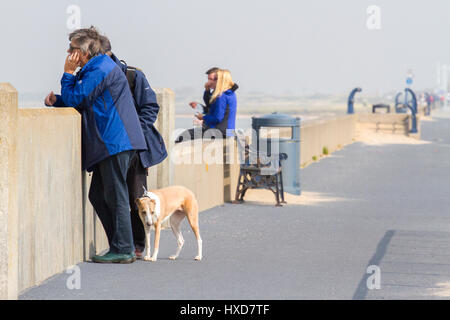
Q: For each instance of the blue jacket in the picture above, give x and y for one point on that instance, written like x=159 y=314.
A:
x=147 y=109
x=207 y=96
x=110 y=124
x=222 y=113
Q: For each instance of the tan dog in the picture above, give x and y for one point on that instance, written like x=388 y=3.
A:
x=168 y=204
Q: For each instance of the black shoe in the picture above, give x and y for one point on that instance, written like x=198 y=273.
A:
x=115 y=258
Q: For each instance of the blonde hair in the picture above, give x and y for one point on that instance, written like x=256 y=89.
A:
x=224 y=83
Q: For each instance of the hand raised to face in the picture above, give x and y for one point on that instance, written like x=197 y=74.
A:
x=72 y=62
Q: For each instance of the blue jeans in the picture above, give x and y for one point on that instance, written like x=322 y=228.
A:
x=108 y=194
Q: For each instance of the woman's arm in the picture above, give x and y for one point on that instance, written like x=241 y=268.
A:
x=217 y=111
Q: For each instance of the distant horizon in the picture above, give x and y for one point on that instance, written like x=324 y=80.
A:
x=199 y=91
x=249 y=102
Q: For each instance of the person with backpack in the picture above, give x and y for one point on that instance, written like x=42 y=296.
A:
x=147 y=109
x=111 y=135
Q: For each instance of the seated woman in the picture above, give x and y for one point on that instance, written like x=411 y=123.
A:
x=222 y=110
x=223 y=104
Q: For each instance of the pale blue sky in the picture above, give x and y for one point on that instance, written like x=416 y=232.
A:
x=269 y=46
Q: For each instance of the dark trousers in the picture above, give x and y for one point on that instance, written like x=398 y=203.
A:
x=108 y=194
x=136 y=181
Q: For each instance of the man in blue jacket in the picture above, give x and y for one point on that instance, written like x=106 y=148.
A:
x=209 y=87
x=111 y=135
x=147 y=109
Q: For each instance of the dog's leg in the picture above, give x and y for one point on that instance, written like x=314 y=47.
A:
x=175 y=222
x=157 y=236
x=147 y=256
x=192 y=217
x=199 y=244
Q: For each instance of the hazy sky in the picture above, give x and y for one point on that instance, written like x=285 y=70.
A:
x=269 y=46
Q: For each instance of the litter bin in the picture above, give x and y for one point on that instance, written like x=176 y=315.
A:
x=289 y=143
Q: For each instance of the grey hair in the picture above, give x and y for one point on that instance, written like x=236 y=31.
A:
x=105 y=45
x=89 y=40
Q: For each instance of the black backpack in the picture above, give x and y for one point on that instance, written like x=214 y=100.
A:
x=131 y=76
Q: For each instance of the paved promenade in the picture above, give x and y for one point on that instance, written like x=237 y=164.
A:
x=389 y=207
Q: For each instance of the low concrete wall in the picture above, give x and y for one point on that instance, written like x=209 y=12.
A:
x=50 y=199
x=422 y=111
x=162 y=175
x=393 y=123
x=231 y=170
x=335 y=133
x=9 y=254
x=331 y=134
x=203 y=168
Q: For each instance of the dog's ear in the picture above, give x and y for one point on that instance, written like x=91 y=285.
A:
x=137 y=201
x=152 y=203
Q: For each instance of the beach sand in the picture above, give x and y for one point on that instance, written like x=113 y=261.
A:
x=307 y=198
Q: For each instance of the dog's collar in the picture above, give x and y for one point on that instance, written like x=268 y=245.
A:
x=153 y=196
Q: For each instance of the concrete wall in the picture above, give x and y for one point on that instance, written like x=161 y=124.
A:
x=392 y=123
x=8 y=192
x=332 y=134
x=422 y=110
x=231 y=170
x=49 y=189
x=337 y=132
x=204 y=169
x=162 y=175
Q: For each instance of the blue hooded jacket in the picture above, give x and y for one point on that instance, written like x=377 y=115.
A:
x=222 y=113
x=110 y=124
